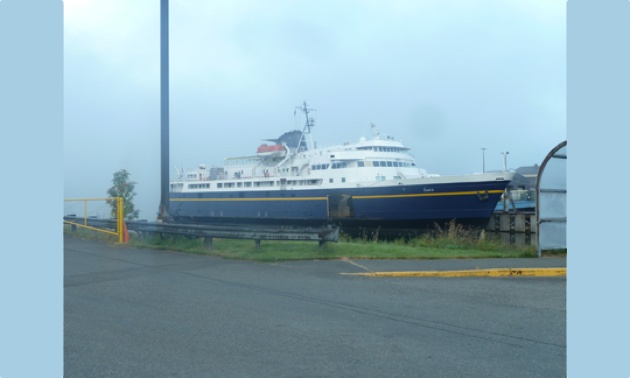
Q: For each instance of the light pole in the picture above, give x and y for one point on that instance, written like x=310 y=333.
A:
x=505 y=154
x=483 y=159
x=164 y=112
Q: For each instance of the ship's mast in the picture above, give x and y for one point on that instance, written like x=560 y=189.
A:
x=307 y=126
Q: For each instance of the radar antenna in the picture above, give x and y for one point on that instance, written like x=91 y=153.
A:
x=308 y=125
x=375 y=131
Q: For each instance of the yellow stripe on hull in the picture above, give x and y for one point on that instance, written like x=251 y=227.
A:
x=467 y=193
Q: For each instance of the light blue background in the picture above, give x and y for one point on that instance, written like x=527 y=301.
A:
x=598 y=118
x=31 y=260
x=31 y=188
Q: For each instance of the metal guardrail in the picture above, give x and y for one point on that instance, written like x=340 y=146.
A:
x=208 y=232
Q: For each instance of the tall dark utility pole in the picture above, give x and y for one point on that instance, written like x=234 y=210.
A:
x=163 y=212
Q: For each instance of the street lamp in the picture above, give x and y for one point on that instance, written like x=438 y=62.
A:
x=505 y=154
x=483 y=159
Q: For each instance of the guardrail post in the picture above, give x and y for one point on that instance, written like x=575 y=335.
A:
x=257 y=241
x=208 y=242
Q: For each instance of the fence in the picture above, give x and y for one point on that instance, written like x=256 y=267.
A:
x=120 y=225
x=208 y=232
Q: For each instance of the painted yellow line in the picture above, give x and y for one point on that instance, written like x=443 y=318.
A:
x=355 y=264
x=500 y=272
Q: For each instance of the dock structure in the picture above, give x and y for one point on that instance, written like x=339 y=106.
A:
x=514 y=227
x=524 y=222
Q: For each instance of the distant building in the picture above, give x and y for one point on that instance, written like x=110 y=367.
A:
x=525 y=177
x=530 y=174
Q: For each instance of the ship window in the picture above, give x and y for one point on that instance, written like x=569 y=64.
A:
x=220 y=185
x=332 y=156
x=360 y=164
x=397 y=177
x=390 y=164
x=376 y=164
x=239 y=185
x=343 y=179
x=330 y=180
x=248 y=184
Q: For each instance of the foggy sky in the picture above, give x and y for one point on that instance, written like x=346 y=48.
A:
x=445 y=77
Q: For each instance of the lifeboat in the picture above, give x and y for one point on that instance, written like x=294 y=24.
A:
x=273 y=150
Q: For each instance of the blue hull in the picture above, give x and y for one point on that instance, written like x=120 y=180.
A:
x=408 y=205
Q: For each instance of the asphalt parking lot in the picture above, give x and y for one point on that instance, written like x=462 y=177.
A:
x=143 y=313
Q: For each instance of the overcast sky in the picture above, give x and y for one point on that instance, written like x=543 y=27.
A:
x=446 y=77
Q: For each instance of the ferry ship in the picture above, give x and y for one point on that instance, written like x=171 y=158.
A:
x=374 y=182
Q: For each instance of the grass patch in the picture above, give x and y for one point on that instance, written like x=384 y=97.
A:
x=451 y=242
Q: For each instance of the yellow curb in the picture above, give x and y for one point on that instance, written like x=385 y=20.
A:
x=501 y=272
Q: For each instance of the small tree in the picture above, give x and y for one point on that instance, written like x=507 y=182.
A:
x=126 y=189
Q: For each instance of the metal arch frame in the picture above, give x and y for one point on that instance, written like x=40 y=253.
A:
x=541 y=171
